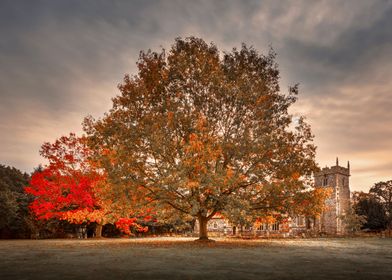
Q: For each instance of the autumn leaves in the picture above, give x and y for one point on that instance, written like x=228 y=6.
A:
x=193 y=133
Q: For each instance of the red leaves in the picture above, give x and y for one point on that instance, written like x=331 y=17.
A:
x=68 y=154
x=147 y=218
x=67 y=185
x=56 y=194
x=71 y=188
x=125 y=225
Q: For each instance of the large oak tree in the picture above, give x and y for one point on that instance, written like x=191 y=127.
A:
x=196 y=129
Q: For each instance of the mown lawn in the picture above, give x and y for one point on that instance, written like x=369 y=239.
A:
x=182 y=258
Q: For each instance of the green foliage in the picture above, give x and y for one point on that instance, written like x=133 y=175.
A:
x=15 y=218
x=196 y=130
x=238 y=212
x=12 y=179
x=8 y=207
x=372 y=209
x=382 y=191
x=352 y=221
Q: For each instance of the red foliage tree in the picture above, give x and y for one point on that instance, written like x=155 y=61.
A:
x=58 y=195
x=71 y=187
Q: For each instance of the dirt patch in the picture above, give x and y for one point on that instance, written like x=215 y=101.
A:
x=182 y=258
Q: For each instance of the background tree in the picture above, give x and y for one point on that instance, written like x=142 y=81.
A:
x=367 y=205
x=15 y=218
x=383 y=192
x=353 y=222
x=195 y=129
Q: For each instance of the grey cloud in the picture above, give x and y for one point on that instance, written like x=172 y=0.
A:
x=62 y=60
x=352 y=52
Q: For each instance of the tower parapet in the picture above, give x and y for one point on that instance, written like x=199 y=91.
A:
x=334 y=170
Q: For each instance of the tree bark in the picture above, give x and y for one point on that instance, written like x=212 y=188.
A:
x=98 y=231
x=203 y=233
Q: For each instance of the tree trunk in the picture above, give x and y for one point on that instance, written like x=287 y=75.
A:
x=98 y=231
x=203 y=234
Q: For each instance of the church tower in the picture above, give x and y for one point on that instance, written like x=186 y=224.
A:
x=337 y=178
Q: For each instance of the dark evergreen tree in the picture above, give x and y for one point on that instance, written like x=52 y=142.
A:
x=371 y=208
x=15 y=218
x=382 y=191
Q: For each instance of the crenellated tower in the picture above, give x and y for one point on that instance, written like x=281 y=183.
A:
x=337 y=178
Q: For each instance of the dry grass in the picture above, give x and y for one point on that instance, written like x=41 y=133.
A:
x=182 y=258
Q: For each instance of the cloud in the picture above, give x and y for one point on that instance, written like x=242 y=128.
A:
x=62 y=60
x=318 y=23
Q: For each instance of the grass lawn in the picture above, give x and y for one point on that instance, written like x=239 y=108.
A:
x=181 y=258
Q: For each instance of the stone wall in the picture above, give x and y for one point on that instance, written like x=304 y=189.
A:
x=336 y=178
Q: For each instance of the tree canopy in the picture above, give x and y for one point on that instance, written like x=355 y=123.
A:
x=72 y=188
x=369 y=206
x=383 y=192
x=195 y=129
x=15 y=219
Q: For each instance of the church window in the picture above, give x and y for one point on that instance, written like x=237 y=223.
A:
x=215 y=225
x=275 y=226
x=262 y=227
x=325 y=181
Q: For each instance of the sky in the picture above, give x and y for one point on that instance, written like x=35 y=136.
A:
x=62 y=60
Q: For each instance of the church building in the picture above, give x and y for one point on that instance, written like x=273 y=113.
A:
x=337 y=178
x=330 y=222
